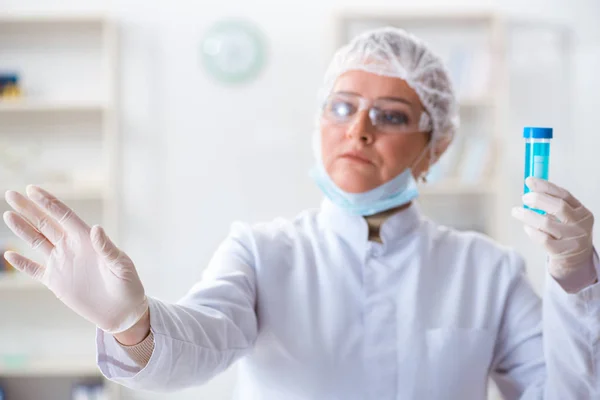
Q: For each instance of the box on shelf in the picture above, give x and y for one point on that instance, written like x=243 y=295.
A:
x=10 y=86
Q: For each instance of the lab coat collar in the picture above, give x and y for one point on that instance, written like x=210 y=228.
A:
x=354 y=228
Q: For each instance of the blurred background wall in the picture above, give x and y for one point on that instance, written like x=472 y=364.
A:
x=197 y=155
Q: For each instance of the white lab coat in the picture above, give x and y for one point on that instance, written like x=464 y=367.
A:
x=314 y=311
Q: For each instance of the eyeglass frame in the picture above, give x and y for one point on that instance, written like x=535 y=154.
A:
x=424 y=125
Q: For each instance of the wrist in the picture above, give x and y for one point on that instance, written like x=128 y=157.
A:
x=578 y=278
x=137 y=333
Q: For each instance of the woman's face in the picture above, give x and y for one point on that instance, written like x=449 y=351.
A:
x=359 y=156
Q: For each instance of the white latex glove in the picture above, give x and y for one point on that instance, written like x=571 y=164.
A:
x=565 y=232
x=82 y=267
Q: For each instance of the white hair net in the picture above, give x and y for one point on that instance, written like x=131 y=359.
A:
x=395 y=53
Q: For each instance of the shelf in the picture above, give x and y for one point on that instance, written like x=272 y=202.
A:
x=17 y=281
x=456 y=189
x=36 y=106
x=476 y=102
x=24 y=20
x=445 y=17
x=66 y=192
x=15 y=366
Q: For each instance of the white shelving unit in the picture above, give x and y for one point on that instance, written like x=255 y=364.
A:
x=69 y=109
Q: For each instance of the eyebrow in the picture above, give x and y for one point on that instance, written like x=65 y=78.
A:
x=390 y=98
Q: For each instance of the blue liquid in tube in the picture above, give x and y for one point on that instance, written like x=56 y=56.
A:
x=537 y=156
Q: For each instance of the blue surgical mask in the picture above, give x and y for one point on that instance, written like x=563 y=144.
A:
x=395 y=193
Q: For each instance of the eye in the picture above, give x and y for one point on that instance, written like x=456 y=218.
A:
x=341 y=109
x=392 y=117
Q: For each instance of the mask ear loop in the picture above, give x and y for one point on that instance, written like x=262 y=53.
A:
x=429 y=147
x=425 y=126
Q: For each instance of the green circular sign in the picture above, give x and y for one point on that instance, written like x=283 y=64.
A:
x=234 y=51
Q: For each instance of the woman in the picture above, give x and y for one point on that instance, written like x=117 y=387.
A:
x=362 y=299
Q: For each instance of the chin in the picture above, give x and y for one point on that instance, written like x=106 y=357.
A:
x=353 y=183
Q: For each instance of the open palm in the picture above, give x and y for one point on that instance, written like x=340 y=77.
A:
x=82 y=267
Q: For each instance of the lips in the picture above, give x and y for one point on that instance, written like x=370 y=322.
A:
x=357 y=157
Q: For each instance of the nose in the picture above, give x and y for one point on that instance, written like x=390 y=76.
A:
x=361 y=128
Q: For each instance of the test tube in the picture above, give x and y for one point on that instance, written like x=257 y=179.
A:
x=537 y=155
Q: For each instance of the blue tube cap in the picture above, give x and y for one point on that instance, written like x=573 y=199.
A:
x=530 y=132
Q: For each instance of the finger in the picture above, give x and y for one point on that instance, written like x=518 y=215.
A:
x=23 y=229
x=57 y=209
x=542 y=185
x=540 y=237
x=557 y=249
x=542 y=223
x=553 y=206
x=103 y=245
x=25 y=265
x=35 y=216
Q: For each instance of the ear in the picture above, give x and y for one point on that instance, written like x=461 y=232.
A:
x=439 y=148
x=432 y=156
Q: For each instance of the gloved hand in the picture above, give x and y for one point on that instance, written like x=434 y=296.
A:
x=565 y=232
x=82 y=267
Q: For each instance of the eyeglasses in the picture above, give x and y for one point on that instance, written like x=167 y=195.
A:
x=386 y=115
